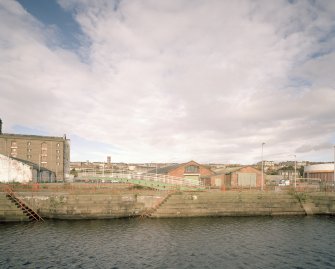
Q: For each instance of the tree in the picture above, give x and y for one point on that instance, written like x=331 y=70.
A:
x=74 y=172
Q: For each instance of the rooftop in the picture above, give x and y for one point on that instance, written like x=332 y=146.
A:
x=7 y=135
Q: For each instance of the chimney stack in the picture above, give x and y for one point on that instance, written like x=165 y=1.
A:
x=0 y=127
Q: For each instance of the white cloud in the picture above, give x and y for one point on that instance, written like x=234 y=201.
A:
x=178 y=80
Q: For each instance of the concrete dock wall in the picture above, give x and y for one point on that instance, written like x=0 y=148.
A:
x=318 y=203
x=9 y=211
x=90 y=206
x=183 y=204
x=229 y=204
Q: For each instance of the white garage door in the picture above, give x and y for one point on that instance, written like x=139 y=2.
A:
x=193 y=179
x=246 y=179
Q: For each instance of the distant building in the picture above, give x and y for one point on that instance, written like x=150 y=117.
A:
x=51 y=153
x=109 y=159
x=269 y=163
x=288 y=173
x=266 y=163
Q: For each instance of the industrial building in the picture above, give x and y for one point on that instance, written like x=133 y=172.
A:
x=45 y=152
x=16 y=170
x=189 y=170
x=324 y=172
x=232 y=177
x=236 y=177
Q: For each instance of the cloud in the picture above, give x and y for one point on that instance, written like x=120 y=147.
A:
x=308 y=148
x=177 y=80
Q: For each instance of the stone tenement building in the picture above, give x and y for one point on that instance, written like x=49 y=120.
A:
x=49 y=152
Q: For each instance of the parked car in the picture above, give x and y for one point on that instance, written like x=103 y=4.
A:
x=284 y=182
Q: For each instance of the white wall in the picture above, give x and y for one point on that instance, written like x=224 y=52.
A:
x=13 y=170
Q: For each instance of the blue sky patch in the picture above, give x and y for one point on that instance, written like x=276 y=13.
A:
x=50 y=13
x=91 y=150
x=19 y=129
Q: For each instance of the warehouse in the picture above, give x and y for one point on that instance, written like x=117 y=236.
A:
x=48 y=152
x=190 y=170
x=21 y=171
x=324 y=172
x=236 y=177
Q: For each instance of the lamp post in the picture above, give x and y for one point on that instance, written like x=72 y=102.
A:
x=334 y=169
x=295 y=171
x=262 y=183
x=103 y=173
x=156 y=171
x=112 y=171
x=39 y=168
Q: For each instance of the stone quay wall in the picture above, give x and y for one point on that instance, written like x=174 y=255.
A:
x=160 y=204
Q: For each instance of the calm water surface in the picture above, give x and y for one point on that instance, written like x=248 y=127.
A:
x=262 y=242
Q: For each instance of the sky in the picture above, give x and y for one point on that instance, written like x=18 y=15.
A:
x=172 y=81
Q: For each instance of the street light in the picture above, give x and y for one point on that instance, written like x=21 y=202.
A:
x=39 y=168
x=295 y=171
x=334 y=169
x=262 y=183
x=112 y=171
x=156 y=171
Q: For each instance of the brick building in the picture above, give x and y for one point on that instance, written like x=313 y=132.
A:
x=189 y=170
x=235 y=177
x=52 y=153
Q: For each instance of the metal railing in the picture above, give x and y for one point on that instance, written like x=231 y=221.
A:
x=148 y=177
x=28 y=211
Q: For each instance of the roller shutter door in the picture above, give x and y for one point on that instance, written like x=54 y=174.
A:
x=218 y=182
x=193 y=179
x=246 y=179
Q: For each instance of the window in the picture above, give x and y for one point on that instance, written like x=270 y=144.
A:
x=13 y=152
x=28 y=156
x=28 y=150
x=58 y=145
x=44 y=149
x=57 y=151
x=29 y=144
x=192 y=169
x=13 y=144
x=58 y=163
x=58 y=157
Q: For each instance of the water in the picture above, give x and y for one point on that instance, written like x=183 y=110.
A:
x=253 y=242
